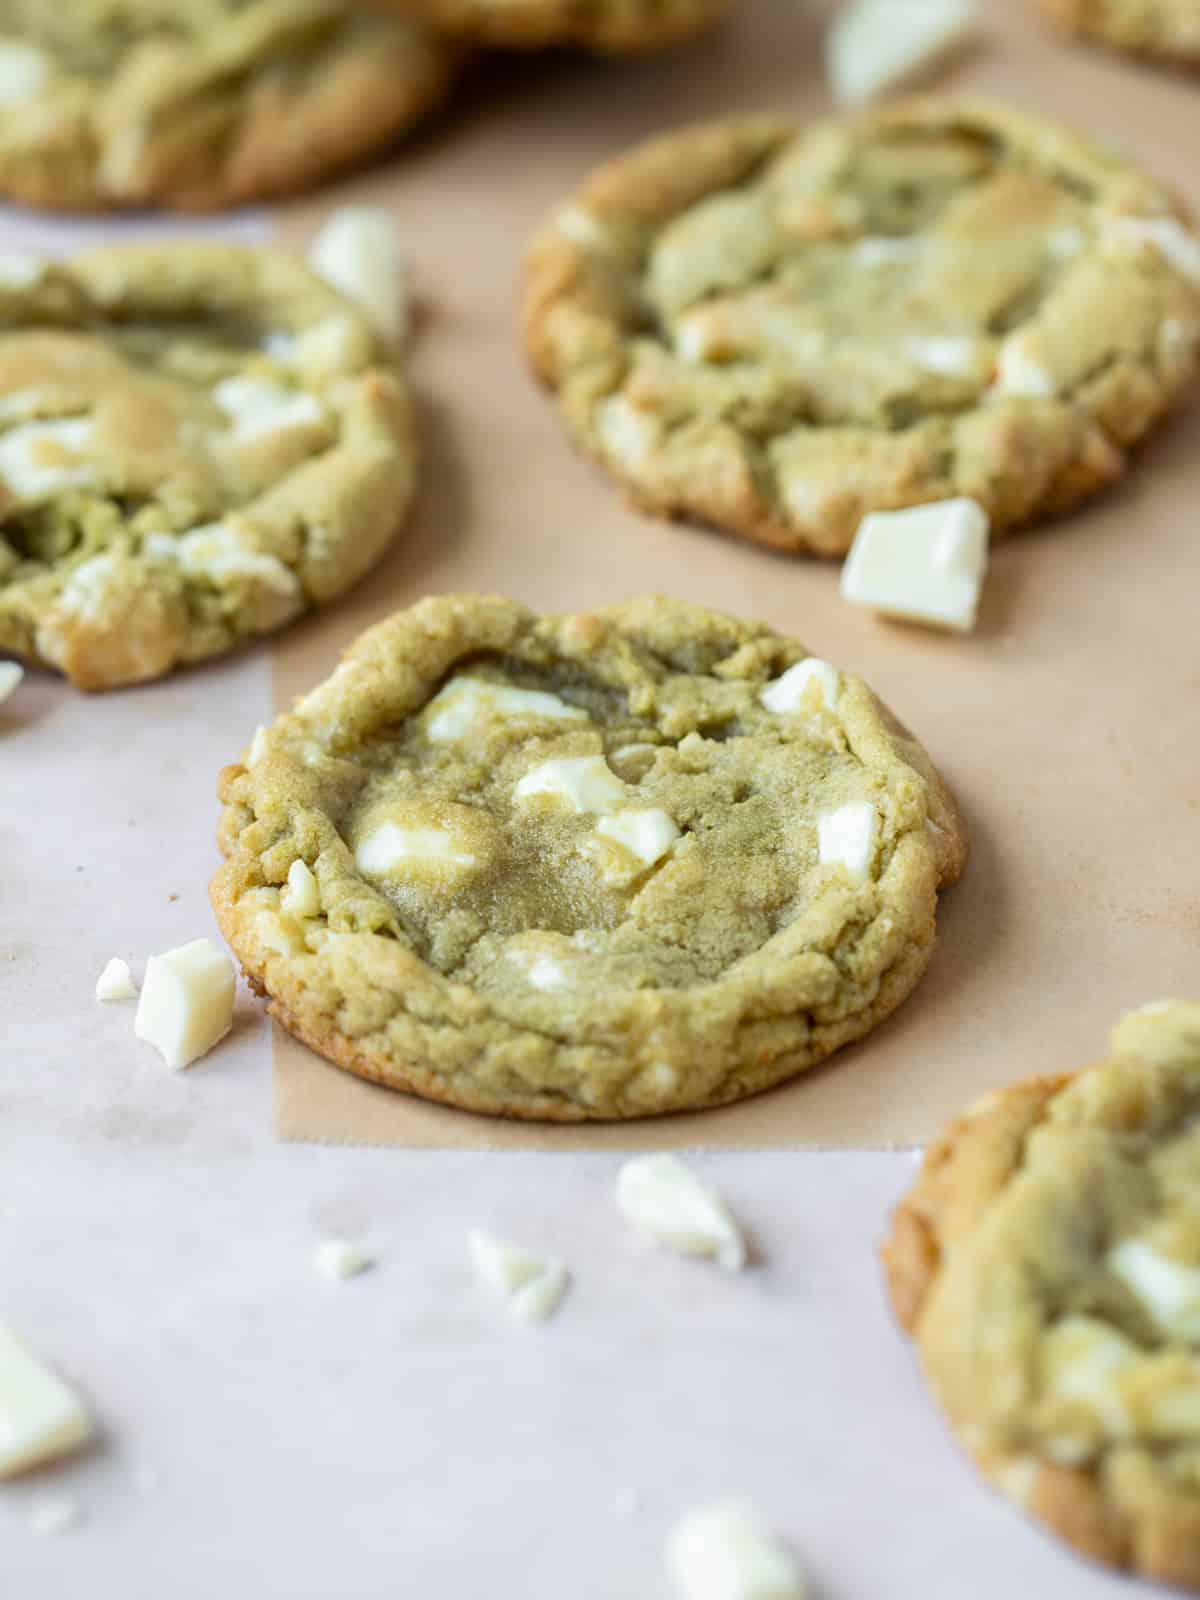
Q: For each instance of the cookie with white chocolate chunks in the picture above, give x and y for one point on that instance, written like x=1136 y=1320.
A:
x=201 y=104
x=198 y=443
x=1047 y=1265
x=778 y=329
x=608 y=27
x=604 y=865
x=1166 y=29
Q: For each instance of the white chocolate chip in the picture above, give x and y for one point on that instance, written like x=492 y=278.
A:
x=847 y=838
x=300 y=897
x=1064 y=243
x=21 y=270
x=40 y=1417
x=720 y=1553
x=358 y=254
x=876 y=45
x=1080 y=1358
x=391 y=848
x=629 y=435
x=926 y=564
x=946 y=356
x=1020 y=372
x=39 y=460
x=1177 y=245
x=186 y=1005
x=24 y=70
x=583 y=229
x=793 y=690
x=337 y=1259
x=11 y=673
x=457 y=710
x=257 y=407
x=584 y=783
x=1169 y=1290
x=215 y=551
x=531 y=1285
x=666 y=1201
x=116 y=982
x=882 y=250
x=647 y=834
x=48 y=1518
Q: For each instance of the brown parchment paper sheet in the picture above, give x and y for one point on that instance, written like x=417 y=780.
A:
x=1068 y=723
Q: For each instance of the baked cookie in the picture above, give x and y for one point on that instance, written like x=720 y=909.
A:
x=777 y=330
x=1047 y=1263
x=1166 y=28
x=636 y=860
x=196 y=446
x=611 y=27
x=201 y=103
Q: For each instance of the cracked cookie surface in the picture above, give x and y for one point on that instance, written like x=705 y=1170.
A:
x=198 y=443
x=1047 y=1265
x=1169 y=29
x=777 y=330
x=201 y=104
x=606 y=865
x=611 y=27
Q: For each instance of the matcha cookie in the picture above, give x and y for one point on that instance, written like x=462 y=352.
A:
x=1047 y=1264
x=1166 y=28
x=197 y=444
x=636 y=860
x=200 y=103
x=777 y=330
x=612 y=27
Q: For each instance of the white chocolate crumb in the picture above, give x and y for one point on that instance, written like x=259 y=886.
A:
x=337 y=1259
x=116 y=981
x=49 y=1517
x=721 y=1553
x=532 y=1286
x=665 y=1201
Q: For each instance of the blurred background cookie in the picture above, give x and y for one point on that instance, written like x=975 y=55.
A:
x=1169 y=29
x=611 y=27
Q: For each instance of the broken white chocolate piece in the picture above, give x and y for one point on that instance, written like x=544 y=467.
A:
x=1019 y=370
x=456 y=710
x=792 y=691
x=40 y=1417
x=945 y=355
x=24 y=70
x=116 y=981
x=39 y=460
x=300 y=896
x=666 y=1201
x=11 y=673
x=338 y=1259
x=531 y=1285
x=186 y=1005
x=1177 y=245
x=585 y=783
x=925 y=564
x=256 y=407
x=357 y=253
x=1168 y=1290
x=390 y=848
x=876 y=45
x=847 y=838
x=50 y=1517
x=647 y=834
x=720 y=1553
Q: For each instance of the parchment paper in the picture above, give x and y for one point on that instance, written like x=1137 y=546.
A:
x=1066 y=724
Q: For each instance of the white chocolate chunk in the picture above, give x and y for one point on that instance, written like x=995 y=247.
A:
x=720 y=1553
x=337 y=1259
x=647 y=834
x=847 y=838
x=24 y=70
x=300 y=896
x=1020 y=372
x=531 y=1285
x=39 y=460
x=19 y=269
x=186 y=1005
x=666 y=1201
x=1064 y=243
x=1177 y=245
x=457 y=710
x=357 y=253
x=792 y=691
x=1169 y=1290
x=585 y=783
x=215 y=551
x=945 y=355
x=40 y=1417
x=926 y=564
x=47 y=1518
x=584 y=229
x=882 y=250
x=116 y=982
x=876 y=45
x=11 y=673
x=257 y=407
x=629 y=435
x=1080 y=1358
x=546 y=974
x=391 y=848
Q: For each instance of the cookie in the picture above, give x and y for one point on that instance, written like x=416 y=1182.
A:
x=1169 y=29
x=610 y=27
x=1047 y=1264
x=198 y=443
x=201 y=104
x=637 y=860
x=777 y=330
